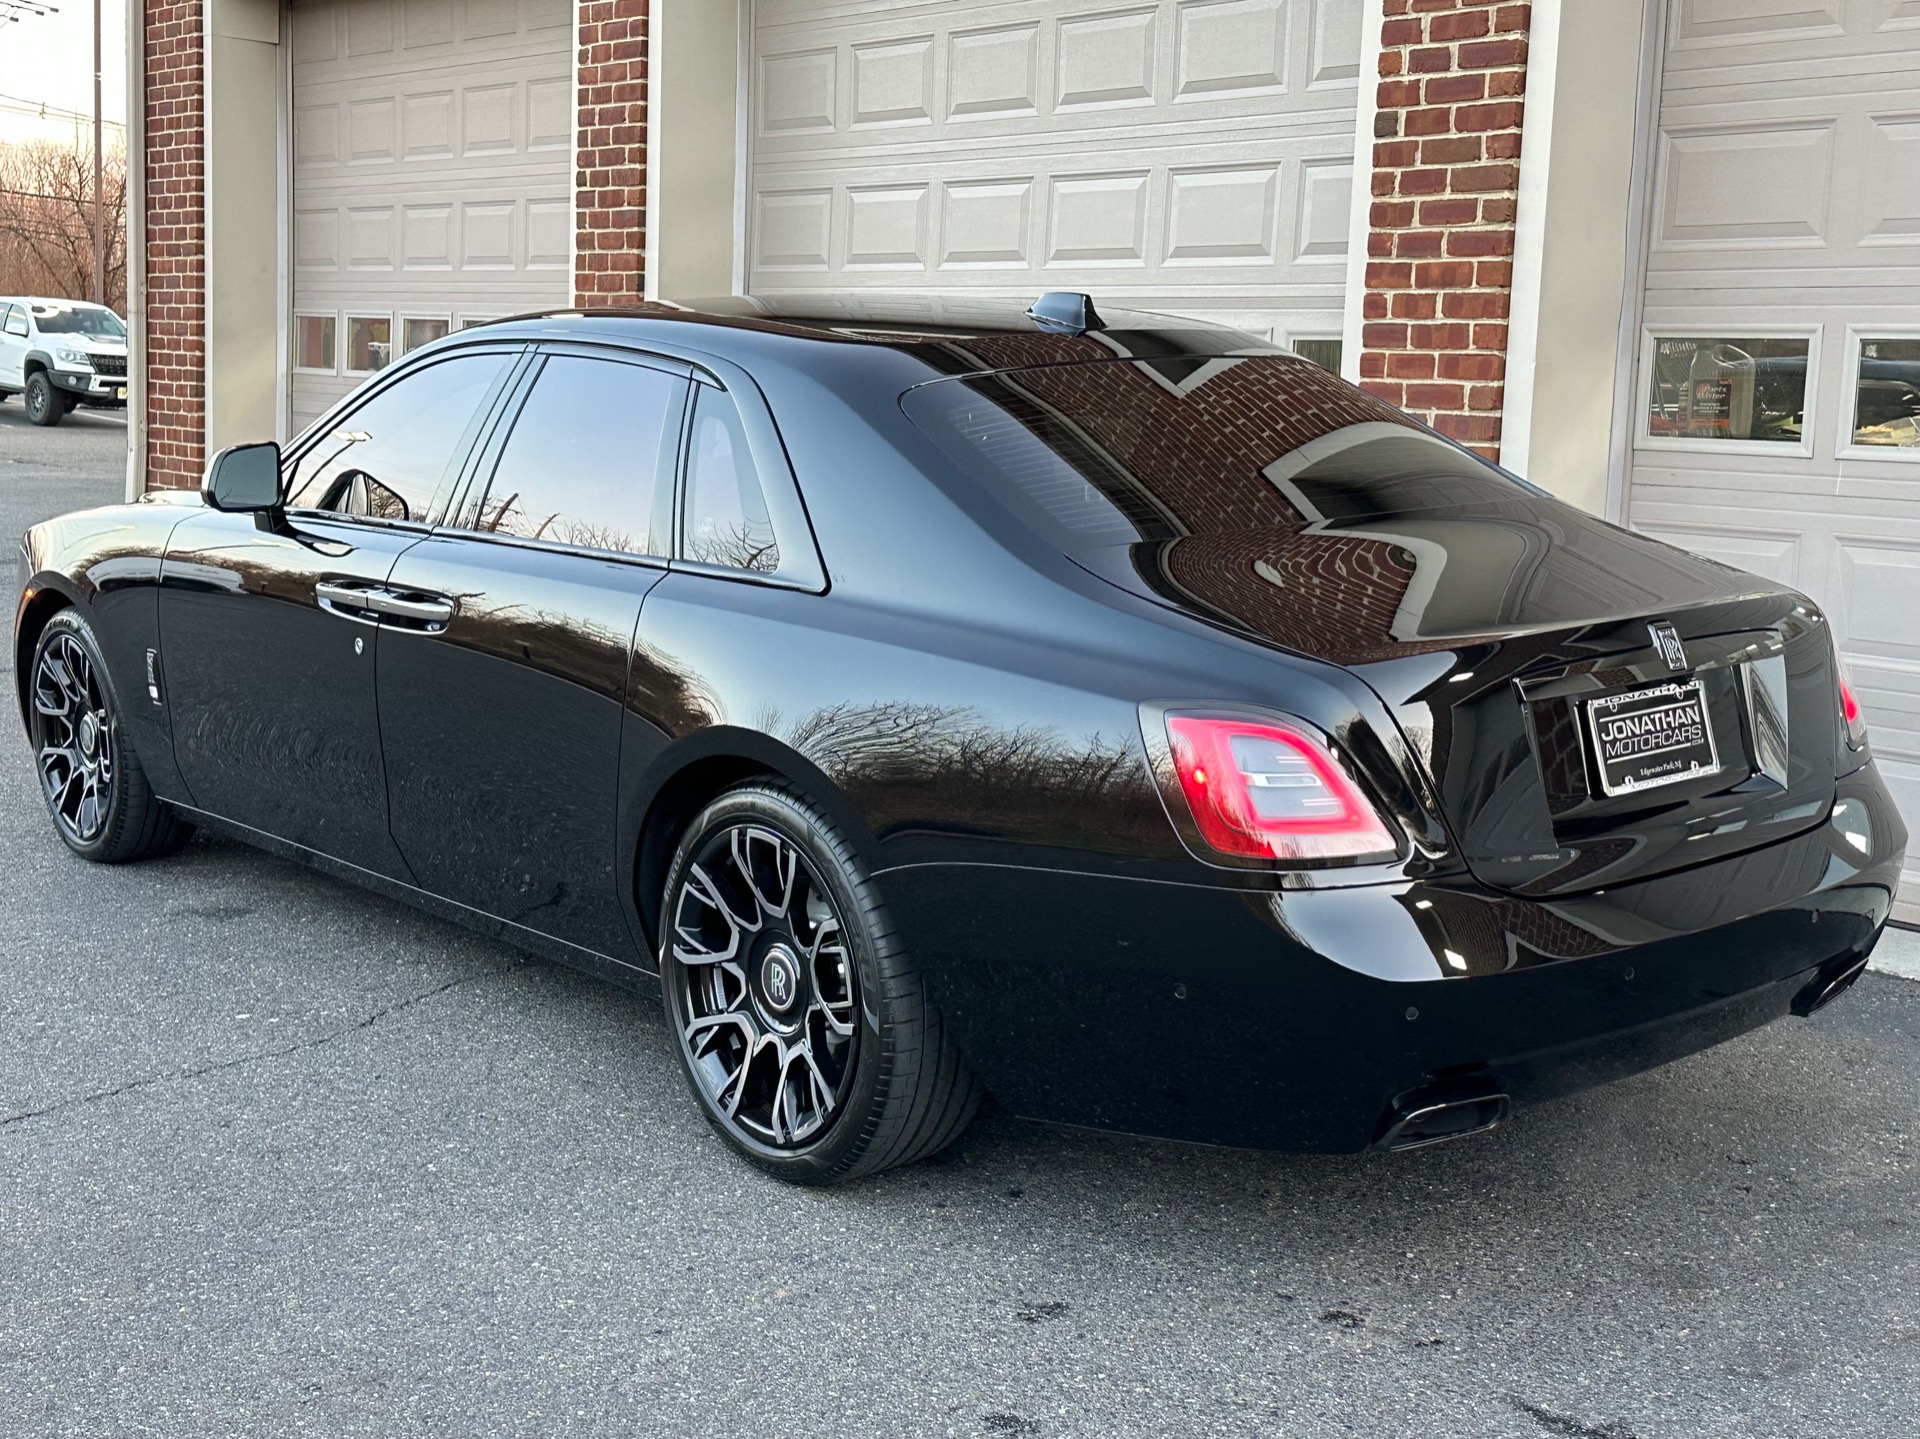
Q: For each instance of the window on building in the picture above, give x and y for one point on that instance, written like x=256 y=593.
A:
x=418 y=330
x=1324 y=353
x=1712 y=388
x=389 y=458
x=313 y=343
x=583 y=464
x=369 y=343
x=1886 y=396
x=727 y=522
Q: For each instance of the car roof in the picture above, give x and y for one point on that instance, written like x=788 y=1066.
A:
x=896 y=320
x=43 y=302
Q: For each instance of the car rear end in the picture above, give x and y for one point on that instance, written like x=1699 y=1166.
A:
x=1627 y=811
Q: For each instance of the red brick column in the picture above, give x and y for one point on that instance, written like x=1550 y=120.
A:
x=175 y=259
x=610 y=183
x=1446 y=169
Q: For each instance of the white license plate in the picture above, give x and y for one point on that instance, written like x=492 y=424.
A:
x=1647 y=738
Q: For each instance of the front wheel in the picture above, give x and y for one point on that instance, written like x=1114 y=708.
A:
x=806 y=1035
x=45 y=404
x=93 y=784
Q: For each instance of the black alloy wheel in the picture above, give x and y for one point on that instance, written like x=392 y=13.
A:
x=804 y=1033
x=93 y=784
x=45 y=404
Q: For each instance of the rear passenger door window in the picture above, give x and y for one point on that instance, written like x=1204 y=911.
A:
x=583 y=464
x=726 y=519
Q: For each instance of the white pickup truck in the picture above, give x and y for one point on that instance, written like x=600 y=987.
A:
x=59 y=354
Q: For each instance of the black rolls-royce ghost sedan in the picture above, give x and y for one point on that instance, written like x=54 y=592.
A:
x=1124 y=718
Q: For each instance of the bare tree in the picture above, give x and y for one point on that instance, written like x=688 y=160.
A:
x=46 y=221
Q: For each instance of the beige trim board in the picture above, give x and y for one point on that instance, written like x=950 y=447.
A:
x=694 y=98
x=243 y=136
x=1360 y=218
x=1575 y=245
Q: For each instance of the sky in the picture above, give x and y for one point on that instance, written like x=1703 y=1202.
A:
x=48 y=59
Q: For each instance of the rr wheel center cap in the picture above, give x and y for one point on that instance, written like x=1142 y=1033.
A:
x=89 y=734
x=780 y=979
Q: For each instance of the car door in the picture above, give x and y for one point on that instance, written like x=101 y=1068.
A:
x=14 y=338
x=270 y=635
x=501 y=722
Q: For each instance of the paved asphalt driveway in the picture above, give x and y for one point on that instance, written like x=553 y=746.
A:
x=280 y=1158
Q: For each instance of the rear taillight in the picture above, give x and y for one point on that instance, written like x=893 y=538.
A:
x=1850 y=712
x=1262 y=789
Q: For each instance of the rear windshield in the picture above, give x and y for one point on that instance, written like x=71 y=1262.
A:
x=1123 y=452
x=58 y=320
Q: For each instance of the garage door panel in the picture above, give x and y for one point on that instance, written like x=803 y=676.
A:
x=1774 y=554
x=1745 y=184
x=1230 y=47
x=1720 y=22
x=1893 y=179
x=949 y=146
x=433 y=167
x=1787 y=195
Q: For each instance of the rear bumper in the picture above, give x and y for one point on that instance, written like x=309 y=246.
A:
x=1300 y=1020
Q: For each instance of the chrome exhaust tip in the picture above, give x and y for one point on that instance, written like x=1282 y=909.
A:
x=1437 y=1114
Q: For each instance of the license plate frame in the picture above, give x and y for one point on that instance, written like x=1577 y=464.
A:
x=1651 y=737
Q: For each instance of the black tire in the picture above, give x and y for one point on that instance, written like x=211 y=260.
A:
x=45 y=404
x=80 y=747
x=900 y=1089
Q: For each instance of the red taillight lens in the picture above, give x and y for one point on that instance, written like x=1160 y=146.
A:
x=1259 y=789
x=1850 y=710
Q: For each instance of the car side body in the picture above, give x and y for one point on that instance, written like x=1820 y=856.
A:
x=522 y=742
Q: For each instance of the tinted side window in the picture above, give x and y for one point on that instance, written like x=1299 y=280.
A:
x=583 y=464
x=387 y=459
x=726 y=509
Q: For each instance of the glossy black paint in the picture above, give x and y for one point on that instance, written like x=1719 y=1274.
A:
x=964 y=696
x=287 y=740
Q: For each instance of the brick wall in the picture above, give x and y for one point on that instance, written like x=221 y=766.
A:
x=1446 y=168
x=175 y=258
x=611 y=153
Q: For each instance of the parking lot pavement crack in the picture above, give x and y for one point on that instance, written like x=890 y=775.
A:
x=198 y=1071
x=1567 y=1425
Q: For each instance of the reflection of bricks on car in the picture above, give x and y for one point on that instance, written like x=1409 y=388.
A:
x=1445 y=183
x=1248 y=551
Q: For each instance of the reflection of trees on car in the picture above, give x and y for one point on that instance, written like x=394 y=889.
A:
x=507 y=516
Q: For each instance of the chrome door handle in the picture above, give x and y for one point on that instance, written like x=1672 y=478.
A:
x=429 y=610
x=350 y=599
x=369 y=603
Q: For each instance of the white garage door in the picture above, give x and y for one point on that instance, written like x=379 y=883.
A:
x=1195 y=156
x=1780 y=372
x=432 y=176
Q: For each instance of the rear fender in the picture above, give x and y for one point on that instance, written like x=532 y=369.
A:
x=664 y=784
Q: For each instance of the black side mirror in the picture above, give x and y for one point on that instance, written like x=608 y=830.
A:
x=244 y=480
